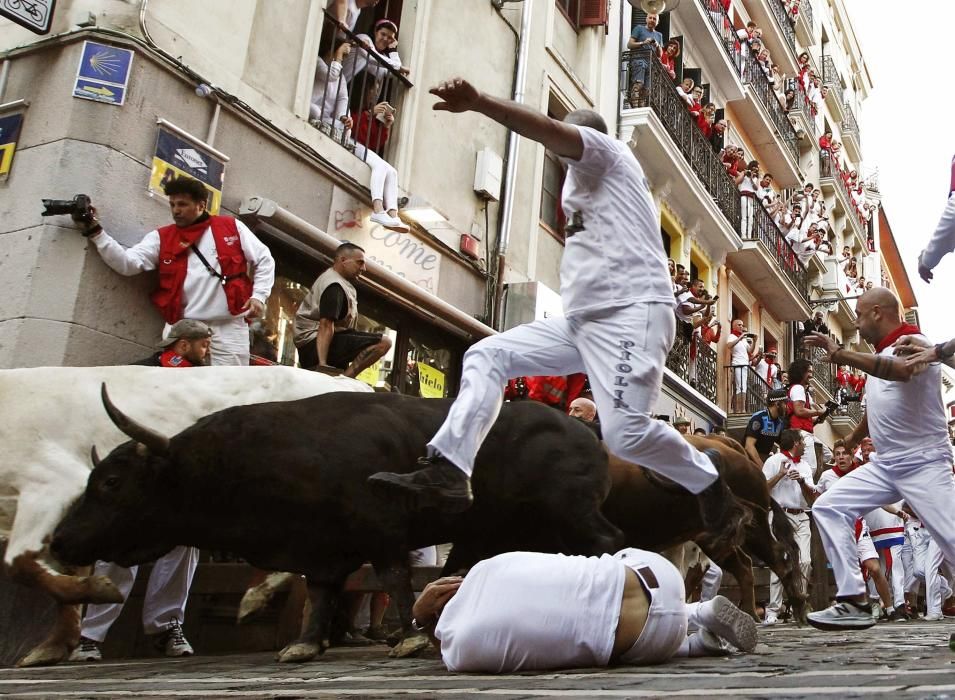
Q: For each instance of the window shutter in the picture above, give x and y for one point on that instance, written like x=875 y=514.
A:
x=593 y=13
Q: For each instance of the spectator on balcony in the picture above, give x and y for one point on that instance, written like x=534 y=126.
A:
x=697 y=104
x=742 y=351
x=346 y=11
x=768 y=369
x=372 y=127
x=705 y=118
x=789 y=100
x=685 y=91
x=717 y=135
x=643 y=40
x=850 y=270
x=746 y=182
x=668 y=57
x=329 y=103
x=747 y=36
x=375 y=56
x=689 y=303
x=825 y=144
x=846 y=254
x=802 y=414
x=816 y=324
x=860 y=286
x=767 y=195
x=802 y=77
x=764 y=62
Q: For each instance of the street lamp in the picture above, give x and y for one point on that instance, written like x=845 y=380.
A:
x=655 y=7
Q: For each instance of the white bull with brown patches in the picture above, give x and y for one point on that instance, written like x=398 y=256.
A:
x=52 y=417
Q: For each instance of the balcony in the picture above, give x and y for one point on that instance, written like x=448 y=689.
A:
x=766 y=124
x=749 y=400
x=804 y=26
x=767 y=263
x=831 y=182
x=779 y=33
x=698 y=372
x=678 y=159
x=846 y=419
x=830 y=79
x=823 y=374
x=714 y=41
x=803 y=117
x=850 y=136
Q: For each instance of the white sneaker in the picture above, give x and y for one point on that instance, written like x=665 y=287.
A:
x=390 y=222
x=842 y=616
x=876 y=611
x=173 y=642
x=729 y=623
x=934 y=617
x=711 y=644
x=770 y=619
x=88 y=650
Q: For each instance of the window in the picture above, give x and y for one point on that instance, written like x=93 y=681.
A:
x=584 y=13
x=552 y=214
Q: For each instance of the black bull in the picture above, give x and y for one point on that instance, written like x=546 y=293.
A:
x=283 y=486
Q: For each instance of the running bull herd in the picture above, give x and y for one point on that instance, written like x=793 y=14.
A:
x=271 y=463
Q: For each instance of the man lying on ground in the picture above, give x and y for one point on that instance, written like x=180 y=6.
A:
x=525 y=611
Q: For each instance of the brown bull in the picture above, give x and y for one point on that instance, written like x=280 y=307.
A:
x=656 y=514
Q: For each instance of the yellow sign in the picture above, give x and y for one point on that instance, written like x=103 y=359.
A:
x=178 y=157
x=369 y=375
x=430 y=381
x=9 y=134
x=163 y=172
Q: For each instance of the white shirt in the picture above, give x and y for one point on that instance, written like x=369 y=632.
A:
x=351 y=13
x=943 y=240
x=527 y=610
x=359 y=60
x=826 y=480
x=613 y=256
x=787 y=492
x=684 y=298
x=202 y=293
x=739 y=353
x=329 y=94
x=907 y=420
x=764 y=370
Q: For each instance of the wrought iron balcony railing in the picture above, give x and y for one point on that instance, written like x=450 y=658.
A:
x=755 y=76
x=830 y=78
x=849 y=123
x=745 y=389
x=805 y=10
x=695 y=363
x=662 y=98
x=802 y=106
x=758 y=225
x=786 y=22
x=822 y=370
x=829 y=169
x=725 y=31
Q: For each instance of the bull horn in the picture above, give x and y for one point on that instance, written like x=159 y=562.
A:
x=94 y=457
x=156 y=442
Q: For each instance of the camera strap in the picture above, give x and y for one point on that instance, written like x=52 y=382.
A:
x=212 y=271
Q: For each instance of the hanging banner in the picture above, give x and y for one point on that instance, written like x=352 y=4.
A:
x=103 y=73
x=369 y=375
x=35 y=15
x=177 y=156
x=9 y=134
x=430 y=381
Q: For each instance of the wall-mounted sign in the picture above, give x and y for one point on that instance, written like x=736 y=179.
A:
x=405 y=254
x=179 y=156
x=35 y=15
x=430 y=381
x=103 y=73
x=9 y=134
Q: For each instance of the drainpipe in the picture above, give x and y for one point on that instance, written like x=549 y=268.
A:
x=510 y=175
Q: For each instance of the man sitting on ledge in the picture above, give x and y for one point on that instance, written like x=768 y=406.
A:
x=524 y=611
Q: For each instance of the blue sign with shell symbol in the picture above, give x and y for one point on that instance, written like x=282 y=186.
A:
x=103 y=74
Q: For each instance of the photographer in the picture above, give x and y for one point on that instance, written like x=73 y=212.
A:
x=741 y=345
x=202 y=262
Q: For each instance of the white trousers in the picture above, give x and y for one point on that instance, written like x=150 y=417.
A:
x=230 y=341
x=893 y=566
x=384 y=177
x=927 y=561
x=803 y=533
x=927 y=486
x=809 y=451
x=623 y=355
x=712 y=580
x=166 y=593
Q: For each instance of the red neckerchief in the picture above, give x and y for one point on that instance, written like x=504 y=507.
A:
x=171 y=358
x=904 y=329
x=794 y=460
x=839 y=472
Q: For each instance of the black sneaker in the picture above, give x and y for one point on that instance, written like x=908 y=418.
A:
x=438 y=484
x=723 y=517
x=898 y=615
x=88 y=650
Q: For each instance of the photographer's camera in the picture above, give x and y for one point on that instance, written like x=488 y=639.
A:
x=80 y=208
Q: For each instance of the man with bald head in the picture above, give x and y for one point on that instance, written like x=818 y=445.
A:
x=905 y=417
x=584 y=409
x=618 y=323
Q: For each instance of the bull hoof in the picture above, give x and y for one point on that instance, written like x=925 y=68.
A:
x=298 y=652
x=45 y=655
x=103 y=590
x=409 y=646
x=257 y=598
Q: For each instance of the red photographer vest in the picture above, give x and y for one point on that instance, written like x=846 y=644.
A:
x=795 y=422
x=175 y=244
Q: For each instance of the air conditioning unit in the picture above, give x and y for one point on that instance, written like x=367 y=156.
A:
x=830 y=278
x=529 y=301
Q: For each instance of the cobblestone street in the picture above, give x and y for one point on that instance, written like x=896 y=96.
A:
x=908 y=659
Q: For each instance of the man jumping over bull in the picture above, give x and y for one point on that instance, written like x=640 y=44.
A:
x=618 y=326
